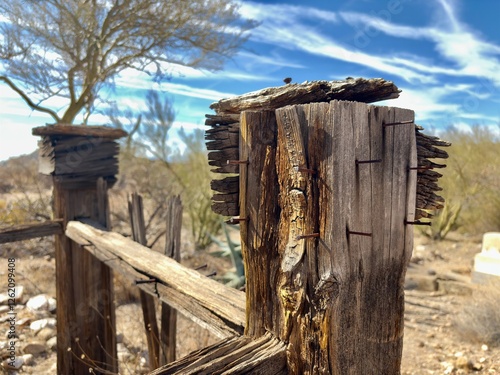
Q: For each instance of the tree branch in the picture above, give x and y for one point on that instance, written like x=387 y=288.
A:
x=28 y=101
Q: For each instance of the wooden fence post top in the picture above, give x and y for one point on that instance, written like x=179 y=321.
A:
x=78 y=130
x=76 y=156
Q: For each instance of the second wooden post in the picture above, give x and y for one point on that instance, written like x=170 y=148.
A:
x=83 y=163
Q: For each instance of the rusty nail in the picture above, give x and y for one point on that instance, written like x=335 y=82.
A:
x=417 y=223
x=201 y=267
x=145 y=281
x=304 y=170
x=359 y=233
x=236 y=220
x=211 y=274
x=232 y=162
x=398 y=123
x=312 y=235
x=368 y=161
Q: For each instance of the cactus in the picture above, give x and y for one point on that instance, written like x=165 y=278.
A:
x=231 y=249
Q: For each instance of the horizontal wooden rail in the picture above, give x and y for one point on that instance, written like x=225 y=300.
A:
x=238 y=355
x=31 y=230
x=211 y=304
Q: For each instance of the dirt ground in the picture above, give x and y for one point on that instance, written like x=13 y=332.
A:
x=435 y=342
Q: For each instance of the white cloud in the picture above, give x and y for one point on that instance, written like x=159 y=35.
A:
x=136 y=80
x=467 y=53
x=287 y=30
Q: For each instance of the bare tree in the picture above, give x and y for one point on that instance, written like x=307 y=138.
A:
x=71 y=48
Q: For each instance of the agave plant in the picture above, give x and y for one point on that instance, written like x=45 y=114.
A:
x=231 y=249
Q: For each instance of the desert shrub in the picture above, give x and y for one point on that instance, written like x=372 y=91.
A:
x=150 y=166
x=28 y=196
x=194 y=173
x=479 y=320
x=470 y=182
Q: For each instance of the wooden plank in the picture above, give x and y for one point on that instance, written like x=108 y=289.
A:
x=359 y=89
x=240 y=355
x=224 y=155
x=228 y=185
x=172 y=250
x=226 y=208
x=258 y=202
x=166 y=294
x=136 y=214
x=32 y=230
x=223 y=307
x=75 y=130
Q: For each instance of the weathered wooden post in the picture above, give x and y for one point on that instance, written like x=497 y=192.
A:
x=326 y=198
x=83 y=163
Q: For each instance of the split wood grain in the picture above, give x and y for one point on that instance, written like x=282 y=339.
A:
x=137 y=224
x=219 y=307
x=358 y=89
x=240 y=355
x=337 y=292
x=168 y=333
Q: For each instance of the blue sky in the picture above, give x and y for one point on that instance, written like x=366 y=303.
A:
x=443 y=54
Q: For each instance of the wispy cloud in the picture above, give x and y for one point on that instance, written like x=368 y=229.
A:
x=137 y=81
x=288 y=29
x=466 y=52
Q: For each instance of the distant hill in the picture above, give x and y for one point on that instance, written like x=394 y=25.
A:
x=29 y=158
x=20 y=173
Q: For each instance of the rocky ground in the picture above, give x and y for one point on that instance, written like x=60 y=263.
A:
x=440 y=326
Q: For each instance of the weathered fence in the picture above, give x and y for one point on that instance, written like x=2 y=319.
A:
x=326 y=197
x=83 y=164
x=326 y=194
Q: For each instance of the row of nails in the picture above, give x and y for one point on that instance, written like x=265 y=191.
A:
x=351 y=232
x=236 y=220
x=313 y=172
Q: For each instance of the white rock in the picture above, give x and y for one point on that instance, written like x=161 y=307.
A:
x=41 y=302
x=122 y=352
x=484 y=348
x=52 y=343
x=42 y=323
x=29 y=359
x=46 y=333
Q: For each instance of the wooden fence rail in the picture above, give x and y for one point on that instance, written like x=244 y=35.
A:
x=212 y=305
x=30 y=230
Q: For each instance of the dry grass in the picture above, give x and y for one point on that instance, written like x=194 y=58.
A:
x=479 y=321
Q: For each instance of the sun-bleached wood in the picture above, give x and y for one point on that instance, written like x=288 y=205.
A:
x=359 y=89
x=209 y=303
